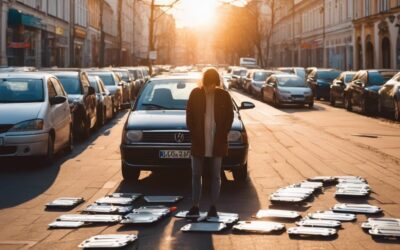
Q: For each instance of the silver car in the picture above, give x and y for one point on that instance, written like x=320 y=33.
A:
x=287 y=89
x=35 y=116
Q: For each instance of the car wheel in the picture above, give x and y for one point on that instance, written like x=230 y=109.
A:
x=276 y=101
x=396 y=110
x=130 y=174
x=101 y=118
x=48 y=159
x=347 y=103
x=311 y=105
x=332 y=100
x=70 y=144
x=240 y=174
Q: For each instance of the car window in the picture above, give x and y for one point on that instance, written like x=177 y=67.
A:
x=17 y=90
x=328 y=75
x=71 y=84
x=349 y=77
x=291 y=81
x=107 y=78
x=58 y=87
x=260 y=76
x=51 y=90
x=166 y=94
x=379 y=77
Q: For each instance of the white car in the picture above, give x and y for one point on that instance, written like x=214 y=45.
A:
x=35 y=116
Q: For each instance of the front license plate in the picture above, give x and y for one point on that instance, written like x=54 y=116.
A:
x=174 y=154
x=1 y=141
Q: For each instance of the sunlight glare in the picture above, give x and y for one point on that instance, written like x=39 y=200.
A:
x=191 y=13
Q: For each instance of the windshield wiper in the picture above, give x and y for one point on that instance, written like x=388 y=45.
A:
x=154 y=105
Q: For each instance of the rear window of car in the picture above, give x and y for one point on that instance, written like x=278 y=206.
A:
x=16 y=90
x=168 y=94
x=71 y=84
x=107 y=78
x=379 y=77
x=260 y=76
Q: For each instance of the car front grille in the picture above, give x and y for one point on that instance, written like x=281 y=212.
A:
x=297 y=96
x=8 y=150
x=5 y=127
x=166 y=137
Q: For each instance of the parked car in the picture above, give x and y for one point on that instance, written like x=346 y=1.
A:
x=139 y=80
x=35 y=119
x=389 y=97
x=104 y=106
x=128 y=84
x=283 y=89
x=299 y=71
x=155 y=135
x=338 y=85
x=256 y=79
x=82 y=100
x=320 y=81
x=237 y=73
x=112 y=84
x=362 y=92
x=226 y=81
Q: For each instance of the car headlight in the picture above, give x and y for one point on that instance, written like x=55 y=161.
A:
x=133 y=136
x=234 y=136
x=31 y=125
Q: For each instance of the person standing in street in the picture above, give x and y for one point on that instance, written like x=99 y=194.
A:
x=209 y=117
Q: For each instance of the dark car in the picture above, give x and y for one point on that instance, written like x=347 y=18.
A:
x=338 y=85
x=362 y=92
x=320 y=81
x=104 y=102
x=139 y=79
x=113 y=84
x=389 y=97
x=82 y=100
x=155 y=135
x=237 y=74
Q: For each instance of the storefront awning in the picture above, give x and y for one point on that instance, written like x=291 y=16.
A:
x=16 y=17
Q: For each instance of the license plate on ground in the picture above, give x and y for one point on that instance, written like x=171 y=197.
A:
x=1 y=141
x=174 y=154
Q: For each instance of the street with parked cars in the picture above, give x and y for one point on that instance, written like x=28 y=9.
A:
x=91 y=132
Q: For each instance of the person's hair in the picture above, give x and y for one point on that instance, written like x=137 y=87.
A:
x=210 y=77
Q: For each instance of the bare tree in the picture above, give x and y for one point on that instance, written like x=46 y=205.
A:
x=272 y=6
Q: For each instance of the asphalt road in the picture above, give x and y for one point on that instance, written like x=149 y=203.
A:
x=287 y=146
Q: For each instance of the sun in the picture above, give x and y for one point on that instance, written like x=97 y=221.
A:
x=194 y=13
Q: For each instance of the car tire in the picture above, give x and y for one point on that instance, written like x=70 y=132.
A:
x=101 y=118
x=396 y=115
x=86 y=128
x=332 y=100
x=311 y=105
x=48 y=159
x=240 y=174
x=70 y=145
x=130 y=174
x=276 y=102
x=347 y=103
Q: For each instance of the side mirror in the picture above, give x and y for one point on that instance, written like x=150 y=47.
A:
x=120 y=84
x=91 y=90
x=57 y=100
x=247 y=105
x=358 y=82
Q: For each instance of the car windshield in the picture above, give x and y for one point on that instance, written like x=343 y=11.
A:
x=71 y=84
x=291 y=81
x=301 y=73
x=379 y=77
x=171 y=94
x=108 y=79
x=15 y=90
x=260 y=76
x=328 y=75
x=348 y=77
x=124 y=75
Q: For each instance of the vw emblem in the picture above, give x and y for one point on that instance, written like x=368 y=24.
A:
x=179 y=137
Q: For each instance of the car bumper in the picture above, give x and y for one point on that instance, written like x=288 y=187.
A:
x=24 y=145
x=291 y=100
x=146 y=157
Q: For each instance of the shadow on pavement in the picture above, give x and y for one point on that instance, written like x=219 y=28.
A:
x=235 y=197
x=23 y=179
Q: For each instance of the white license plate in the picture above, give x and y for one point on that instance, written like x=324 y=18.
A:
x=174 y=154
x=1 y=141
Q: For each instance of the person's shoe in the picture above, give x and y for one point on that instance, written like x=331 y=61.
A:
x=193 y=212
x=212 y=212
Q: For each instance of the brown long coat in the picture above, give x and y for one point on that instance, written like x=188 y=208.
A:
x=223 y=113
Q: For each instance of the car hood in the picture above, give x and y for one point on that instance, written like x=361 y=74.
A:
x=13 y=113
x=295 y=90
x=258 y=83
x=74 y=98
x=164 y=120
x=373 y=88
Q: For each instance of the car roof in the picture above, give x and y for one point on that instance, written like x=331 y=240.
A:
x=33 y=75
x=285 y=75
x=64 y=73
x=170 y=77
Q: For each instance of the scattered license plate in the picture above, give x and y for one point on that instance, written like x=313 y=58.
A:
x=174 y=154
x=1 y=141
